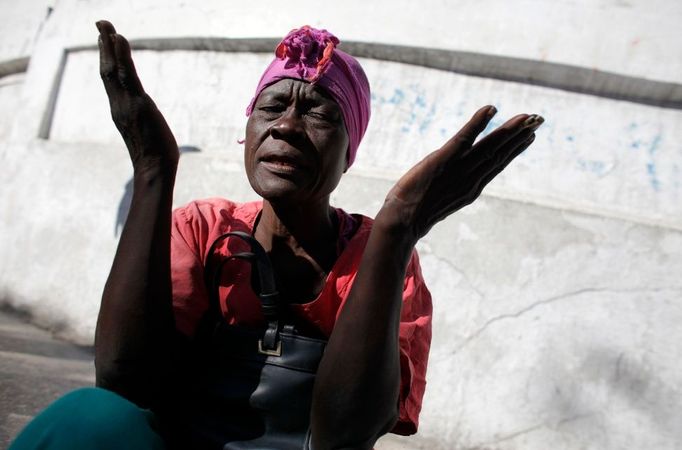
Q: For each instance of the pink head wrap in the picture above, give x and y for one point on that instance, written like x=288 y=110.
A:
x=311 y=55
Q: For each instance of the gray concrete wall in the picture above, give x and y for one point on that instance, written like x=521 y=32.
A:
x=557 y=296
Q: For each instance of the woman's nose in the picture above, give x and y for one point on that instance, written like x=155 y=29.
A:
x=289 y=125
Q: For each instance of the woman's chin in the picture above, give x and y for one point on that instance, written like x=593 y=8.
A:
x=280 y=191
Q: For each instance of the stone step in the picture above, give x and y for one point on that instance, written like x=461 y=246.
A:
x=35 y=370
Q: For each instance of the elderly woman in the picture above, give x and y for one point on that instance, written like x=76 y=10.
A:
x=344 y=278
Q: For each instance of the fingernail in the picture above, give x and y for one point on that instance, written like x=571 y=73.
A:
x=491 y=112
x=538 y=121
x=533 y=122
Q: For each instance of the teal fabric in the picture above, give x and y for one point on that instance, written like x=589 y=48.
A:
x=91 y=418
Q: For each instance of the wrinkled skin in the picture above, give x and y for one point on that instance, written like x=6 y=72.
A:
x=296 y=143
x=294 y=158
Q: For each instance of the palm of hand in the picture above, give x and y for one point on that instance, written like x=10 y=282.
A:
x=454 y=175
x=149 y=140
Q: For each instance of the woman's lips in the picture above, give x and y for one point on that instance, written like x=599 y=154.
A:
x=283 y=165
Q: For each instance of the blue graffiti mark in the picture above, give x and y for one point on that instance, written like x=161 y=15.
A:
x=653 y=178
x=570 y=138
x=412 y=118
x=397 y=98
x=427 y=120
x=416 y=116
x=651 y=168
x=653 y=148
x=599 y=168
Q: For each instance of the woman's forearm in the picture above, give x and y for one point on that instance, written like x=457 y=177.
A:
x=135 y=325
x=356 y=390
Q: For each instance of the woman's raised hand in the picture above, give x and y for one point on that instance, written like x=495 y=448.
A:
x=149 y=140
x=454 y=175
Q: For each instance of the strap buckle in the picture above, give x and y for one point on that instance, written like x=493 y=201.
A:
x=277 y=351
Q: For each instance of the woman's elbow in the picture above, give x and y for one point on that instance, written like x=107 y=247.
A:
x=123 y=380
x=362 y=436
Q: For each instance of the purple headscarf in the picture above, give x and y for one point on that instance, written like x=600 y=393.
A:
x=310 y=54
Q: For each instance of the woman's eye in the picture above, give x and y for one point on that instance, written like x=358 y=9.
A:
x=318 y=115
x=322 y=115
x=272 y=108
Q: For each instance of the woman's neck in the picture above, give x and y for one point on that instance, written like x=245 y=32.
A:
x=308 y=230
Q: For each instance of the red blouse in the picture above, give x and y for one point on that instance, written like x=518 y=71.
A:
x=198 y=224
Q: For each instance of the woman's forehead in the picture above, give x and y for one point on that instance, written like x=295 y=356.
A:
x=288 y=88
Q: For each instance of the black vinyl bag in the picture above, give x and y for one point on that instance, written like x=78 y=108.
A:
x=248 y=388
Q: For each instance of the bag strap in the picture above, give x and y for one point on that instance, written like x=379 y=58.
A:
x=268 y=295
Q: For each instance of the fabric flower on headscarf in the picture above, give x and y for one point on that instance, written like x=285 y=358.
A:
x=309 y=50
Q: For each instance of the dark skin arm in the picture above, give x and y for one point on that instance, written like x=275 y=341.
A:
x=356 y=390
x=135 y=327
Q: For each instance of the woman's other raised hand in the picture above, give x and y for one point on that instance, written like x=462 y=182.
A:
x=454 y=175
x=144 y=130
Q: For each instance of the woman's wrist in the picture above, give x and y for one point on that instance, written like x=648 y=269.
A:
x=151 y=171
x=396 y=223
x=391 y=235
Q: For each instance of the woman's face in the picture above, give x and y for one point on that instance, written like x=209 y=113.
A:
x=296 y=143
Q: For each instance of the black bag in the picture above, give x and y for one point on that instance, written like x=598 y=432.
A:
x=252 y=388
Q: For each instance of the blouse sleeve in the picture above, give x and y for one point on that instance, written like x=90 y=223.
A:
x=415 y=341
x=190 y=299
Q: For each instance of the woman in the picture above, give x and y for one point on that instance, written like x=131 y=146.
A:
x=354 y=281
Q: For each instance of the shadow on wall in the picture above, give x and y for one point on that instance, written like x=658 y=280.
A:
x=609 y=380
x=124 y=204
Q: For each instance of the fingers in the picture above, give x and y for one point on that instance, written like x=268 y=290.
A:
x=115 y=62
x=496 y=140
x=498 y=145
x=499 y=148
x=127 y=75
x=521 y=146
x=105 y=27
x=107 y=57
x=518 y=145
x=465 y=138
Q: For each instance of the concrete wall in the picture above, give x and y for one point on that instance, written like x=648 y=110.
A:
x=557 y=295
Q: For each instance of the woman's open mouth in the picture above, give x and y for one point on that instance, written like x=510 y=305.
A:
x=283 y=165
